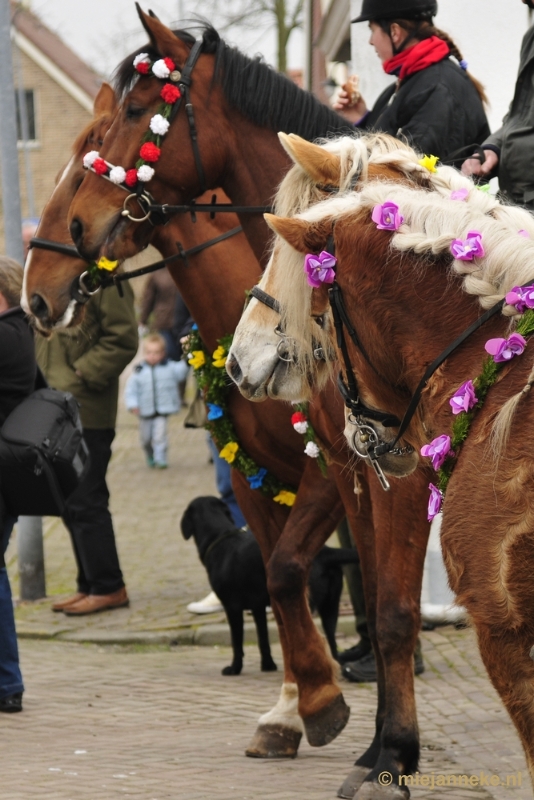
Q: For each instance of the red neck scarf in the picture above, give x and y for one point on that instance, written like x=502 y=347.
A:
x=416 y=58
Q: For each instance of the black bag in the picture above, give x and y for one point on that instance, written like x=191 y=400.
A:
x=43 y=456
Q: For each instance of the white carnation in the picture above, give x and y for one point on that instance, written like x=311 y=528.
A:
x=141 y=57
x=301 y=427
x=117 y=175
x=160 y=69
x=90 y=158
x=312 y=450
x=159 y=125
x=145 y=173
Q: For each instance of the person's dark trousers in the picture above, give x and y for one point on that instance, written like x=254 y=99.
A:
x=89 y=522
x=353 y=576
x=170 y=344
x=10 y=675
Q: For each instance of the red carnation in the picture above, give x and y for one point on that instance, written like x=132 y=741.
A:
x=150 y=152
x=100 y=166
x=143 y=67
x=298 y=416
x=170 y=93
x=170 y=63
x=131 y=177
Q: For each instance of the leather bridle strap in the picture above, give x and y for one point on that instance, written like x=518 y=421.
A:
x=265 y=298
x=386 y=447
x=55 y=247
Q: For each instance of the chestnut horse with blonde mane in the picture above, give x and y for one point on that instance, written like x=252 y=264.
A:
x=409 y=295
x=399 y=529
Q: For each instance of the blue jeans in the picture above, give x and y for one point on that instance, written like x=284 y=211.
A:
x=10 y=675
x=224 y=484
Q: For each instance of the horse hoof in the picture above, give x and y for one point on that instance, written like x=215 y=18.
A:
x=372 y=790
x=323 y=727
x=274 y=741
x=352 y=782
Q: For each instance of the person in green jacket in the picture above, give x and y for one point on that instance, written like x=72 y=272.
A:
x=87 y=361
x=509 y=150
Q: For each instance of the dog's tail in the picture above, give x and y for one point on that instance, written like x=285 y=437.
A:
x=333 y=556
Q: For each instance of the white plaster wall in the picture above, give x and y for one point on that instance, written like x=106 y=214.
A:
x=488 y=32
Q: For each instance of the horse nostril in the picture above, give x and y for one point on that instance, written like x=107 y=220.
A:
x=76 y=231
x=233 y=369
x=38 y=306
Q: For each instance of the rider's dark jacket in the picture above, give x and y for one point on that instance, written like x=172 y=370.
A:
x=17 y=360
x=437 y=110
x=514 y=141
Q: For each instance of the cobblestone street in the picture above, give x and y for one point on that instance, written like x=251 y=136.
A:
x=153 y=718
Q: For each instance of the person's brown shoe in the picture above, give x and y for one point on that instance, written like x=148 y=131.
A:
x=93 y=603
x=61 y=605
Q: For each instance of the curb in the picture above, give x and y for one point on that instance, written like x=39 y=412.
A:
x=216 y=635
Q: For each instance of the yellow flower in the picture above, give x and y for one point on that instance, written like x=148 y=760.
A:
x=429 y=163
x=104 y=263
x=228 y=452
x=219 y=357
x=285 y=498
x=197 y=359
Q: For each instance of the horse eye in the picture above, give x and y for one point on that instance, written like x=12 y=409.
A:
x=320 y=320
x=133 y=112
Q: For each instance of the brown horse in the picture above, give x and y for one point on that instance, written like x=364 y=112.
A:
x=409 y=298
x=214 y=290
x=251 y=181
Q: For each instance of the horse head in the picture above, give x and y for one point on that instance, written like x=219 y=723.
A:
x=49 y=275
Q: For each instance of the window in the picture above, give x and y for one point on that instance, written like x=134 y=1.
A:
x=30 y=115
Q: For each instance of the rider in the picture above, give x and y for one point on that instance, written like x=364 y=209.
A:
x=509 y=150
x=435 y=103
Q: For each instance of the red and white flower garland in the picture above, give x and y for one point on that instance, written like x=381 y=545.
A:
x=150 y=150
x=301 y=424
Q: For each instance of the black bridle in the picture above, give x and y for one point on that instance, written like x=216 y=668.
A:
x=81 y=290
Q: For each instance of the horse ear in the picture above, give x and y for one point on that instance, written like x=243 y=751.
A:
x=306 y=237
x=320 y=164
x=162 y=38
x=105 y=101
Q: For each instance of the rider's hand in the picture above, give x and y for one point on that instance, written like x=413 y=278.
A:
x=348 y=101
x=472 y=166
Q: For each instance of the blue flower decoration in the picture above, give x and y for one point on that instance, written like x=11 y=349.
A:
x=194 y=326
x=215 y=412
x=257 y=479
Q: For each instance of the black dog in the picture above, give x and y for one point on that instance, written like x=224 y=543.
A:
x=236 y=574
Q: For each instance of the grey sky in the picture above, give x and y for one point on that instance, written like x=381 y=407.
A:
x=102 y=32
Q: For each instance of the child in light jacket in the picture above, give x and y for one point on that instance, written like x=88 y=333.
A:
x=152 y=393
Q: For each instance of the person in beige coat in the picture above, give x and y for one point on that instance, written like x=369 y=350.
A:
x=87 y=361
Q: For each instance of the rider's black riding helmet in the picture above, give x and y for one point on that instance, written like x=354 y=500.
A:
x=397 y=9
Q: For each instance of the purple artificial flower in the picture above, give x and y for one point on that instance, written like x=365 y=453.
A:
x=460 y=194
x=464 y=398
x=469 y=248
x=438 y=450
x=522 y=297
x=506 y=349
x=320 y=269
x=435 y=502
x=525 y=234
x=387 y=217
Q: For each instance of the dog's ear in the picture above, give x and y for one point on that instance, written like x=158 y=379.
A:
x=188 y=524
x=226 y=511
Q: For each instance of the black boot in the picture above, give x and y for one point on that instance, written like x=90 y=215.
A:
x=11 y=704
x=364 y=670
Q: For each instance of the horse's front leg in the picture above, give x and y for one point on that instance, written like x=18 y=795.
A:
x=401 y=535
x=280 y=730
x=316 y=513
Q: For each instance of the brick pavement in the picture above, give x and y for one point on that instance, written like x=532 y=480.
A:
x=164 y=724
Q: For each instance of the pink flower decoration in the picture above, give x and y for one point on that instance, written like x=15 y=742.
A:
x=464 y=398
x=469 y=248
x=506 y=349
x=525 y=234
x=320 y=269
x=522 y=297
x=460 y=194
x=435 y=502
x=438 y=450
x=387 y=217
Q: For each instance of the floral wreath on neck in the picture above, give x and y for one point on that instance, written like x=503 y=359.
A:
x=150 y=151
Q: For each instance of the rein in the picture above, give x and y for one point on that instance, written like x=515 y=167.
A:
x=81 y=292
